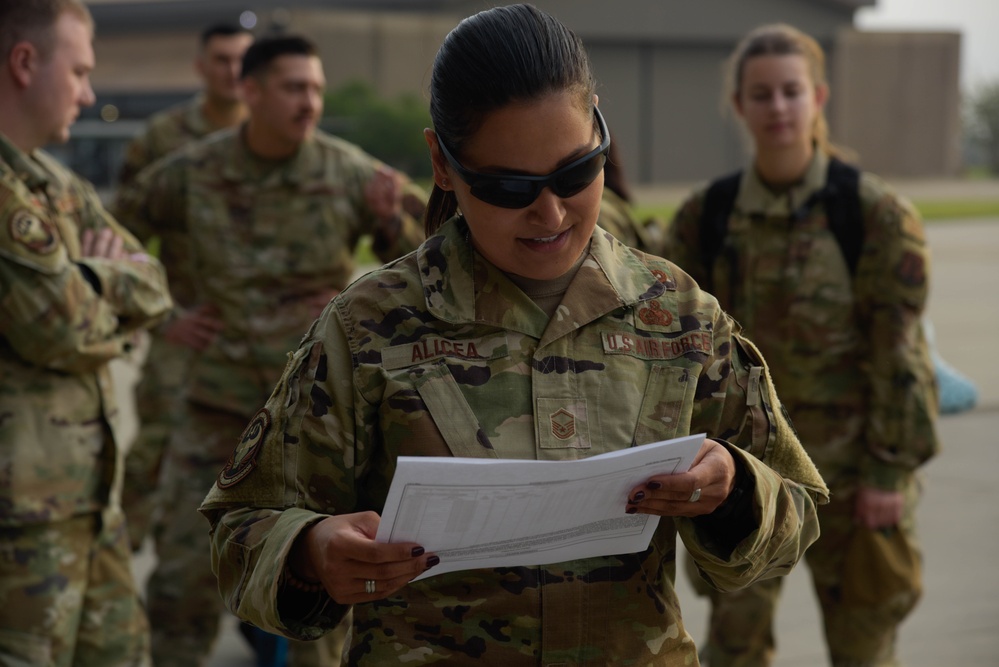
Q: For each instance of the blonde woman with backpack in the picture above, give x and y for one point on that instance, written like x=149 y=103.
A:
x=827 y=270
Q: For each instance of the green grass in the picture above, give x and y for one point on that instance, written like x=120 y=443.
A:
x=661 y=211
x=953 y=209
x=363 y=254
x=958 y=209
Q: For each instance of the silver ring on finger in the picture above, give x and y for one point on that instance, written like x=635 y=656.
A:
x=369 y=586
x=695 y=496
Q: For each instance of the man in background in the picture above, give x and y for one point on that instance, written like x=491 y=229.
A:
x=74 y=288
x=259 y=224
x=216 y=107
x=159 y=394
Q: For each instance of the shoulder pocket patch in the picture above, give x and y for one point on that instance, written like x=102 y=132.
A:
x=244 y=457
x=30 y=231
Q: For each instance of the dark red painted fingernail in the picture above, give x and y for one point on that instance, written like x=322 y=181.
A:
x=631 y=510
x=639 y=497
x=433 y=560
x=653 y=485
x=417 y=551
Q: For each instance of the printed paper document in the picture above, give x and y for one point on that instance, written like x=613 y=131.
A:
x=476 y=513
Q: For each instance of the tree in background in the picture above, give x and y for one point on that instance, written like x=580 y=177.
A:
x=391 y=130
x=982 y=125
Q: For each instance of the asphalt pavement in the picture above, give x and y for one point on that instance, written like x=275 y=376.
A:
x=957 y=622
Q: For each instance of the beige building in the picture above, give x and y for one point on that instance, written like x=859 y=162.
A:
x=659 y=65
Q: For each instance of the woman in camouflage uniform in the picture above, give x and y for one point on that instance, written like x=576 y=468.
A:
x=515 y=331
x=827 y=270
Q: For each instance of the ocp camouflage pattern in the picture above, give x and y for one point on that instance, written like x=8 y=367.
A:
x=256 y=240
x=63 y=317
x=440 y=354
x=164 y=133
x=850 y=359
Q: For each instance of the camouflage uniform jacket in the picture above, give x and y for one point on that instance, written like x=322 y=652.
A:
x=62 y=318
x=255 y=240
x=439 y=354
x=165 y=132
x=850 y=360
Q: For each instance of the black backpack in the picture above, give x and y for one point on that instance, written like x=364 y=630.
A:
x=841 y=197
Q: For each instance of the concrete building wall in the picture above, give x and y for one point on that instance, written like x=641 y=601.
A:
x=391 y=50
x=659 y=69
x=156 y=62
x=692 y=140
x=896 y=101
x=661 y=64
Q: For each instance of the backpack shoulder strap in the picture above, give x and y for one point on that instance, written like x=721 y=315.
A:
x=719 y=200
x=846 y=217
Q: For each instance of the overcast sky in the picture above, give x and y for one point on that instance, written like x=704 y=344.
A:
x=977 y=20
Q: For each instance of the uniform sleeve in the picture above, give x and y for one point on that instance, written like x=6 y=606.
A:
x=72 y=316
x=682 y=244
x=400 y=235
x=138 y=154
x=153 y=207
x=136 y=289
x=784 y=485
x=618 y=217
x=891 y=289
x=297 y=463
x=154 y=202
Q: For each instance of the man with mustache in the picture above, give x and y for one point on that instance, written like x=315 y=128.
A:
x=259 y=225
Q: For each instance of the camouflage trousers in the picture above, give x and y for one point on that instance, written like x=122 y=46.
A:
x=67 y=597
x=159 y=404
x=182 y=593
x=866 y=583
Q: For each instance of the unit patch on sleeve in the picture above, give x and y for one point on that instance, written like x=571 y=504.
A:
x=244 y=458
x=32 y=232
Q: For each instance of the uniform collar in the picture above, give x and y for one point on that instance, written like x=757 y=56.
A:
x=240 y=164
x=611 y=277
x=194 y=117
x=28 y=171
x=756 y=198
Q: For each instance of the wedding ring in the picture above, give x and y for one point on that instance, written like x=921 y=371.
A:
x=369 y=586
x=695 y=496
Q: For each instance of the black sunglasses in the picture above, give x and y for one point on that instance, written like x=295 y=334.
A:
x=520 y=191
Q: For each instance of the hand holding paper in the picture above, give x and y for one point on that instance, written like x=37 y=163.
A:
x=476 y=513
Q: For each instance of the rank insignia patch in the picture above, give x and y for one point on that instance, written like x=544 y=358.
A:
x=563 y=424
x=244 y=458
x=32 y=232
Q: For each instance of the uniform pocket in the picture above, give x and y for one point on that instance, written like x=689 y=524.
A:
x=451 y=413
x=881 y=567
x=20 y=649
x=667 y=404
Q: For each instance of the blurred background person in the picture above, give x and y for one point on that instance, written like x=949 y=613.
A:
x=216 y=107
x=74 y=288
x=828 y=271
x=617 y=212
x=159 y=393
x=260 y=224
